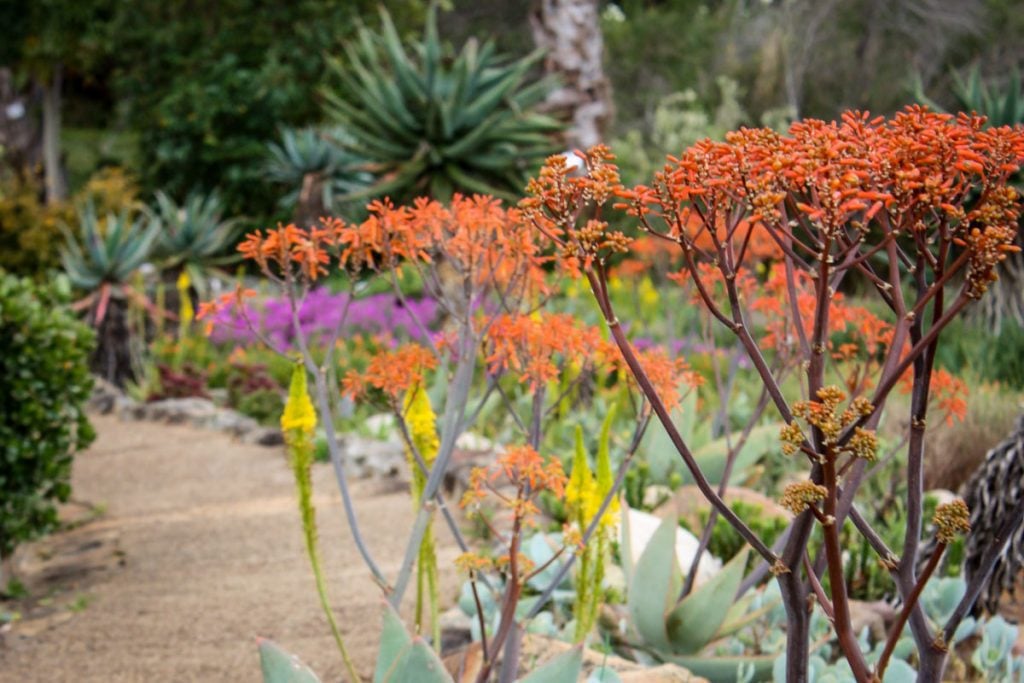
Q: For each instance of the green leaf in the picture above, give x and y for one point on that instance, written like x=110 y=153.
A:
x=899 y=671
x=280 y=667
x=723 y=669
x=604 y=674
x=421 y=666
x=654 y=586
x=564 y=668
x=696 y=620
x=395 y=644
x=658 y=448
x=712 y=456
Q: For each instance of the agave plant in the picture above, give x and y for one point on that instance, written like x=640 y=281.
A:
x=1003 y=106
x=101 y=260
x=315 y=167
x=193 y=236
x=108 y=252
x=432 y=123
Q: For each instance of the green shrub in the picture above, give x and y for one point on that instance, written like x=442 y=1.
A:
x=44 y=353
x=30 y=231
x=207 y=85
x=264 y=406
x=997 y=357
x=725 y=542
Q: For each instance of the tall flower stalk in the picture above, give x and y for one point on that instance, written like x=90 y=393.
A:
x=298 y=422
x=422 y=429
x=919 y=207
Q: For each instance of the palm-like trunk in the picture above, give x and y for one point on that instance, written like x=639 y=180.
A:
x=570 y=33
x=56 y=189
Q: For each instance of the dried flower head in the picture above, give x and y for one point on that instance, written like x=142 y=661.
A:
x=951 y=519
x=863 y=444
x=800 y=495
x=792 y=438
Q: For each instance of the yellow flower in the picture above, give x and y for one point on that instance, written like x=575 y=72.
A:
x=581 y=494
x=422 y=422
x=185 y=311
x=648 y=294
x=298 y=411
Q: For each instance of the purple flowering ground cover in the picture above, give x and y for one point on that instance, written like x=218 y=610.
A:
x=320 y=313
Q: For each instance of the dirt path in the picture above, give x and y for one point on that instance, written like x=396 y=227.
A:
x=198 y=551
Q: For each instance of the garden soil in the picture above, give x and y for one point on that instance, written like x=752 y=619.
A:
x=197 y=549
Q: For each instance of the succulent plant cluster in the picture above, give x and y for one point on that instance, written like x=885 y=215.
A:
x=430 y=123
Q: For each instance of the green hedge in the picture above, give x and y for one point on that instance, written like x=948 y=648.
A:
x=44 y=385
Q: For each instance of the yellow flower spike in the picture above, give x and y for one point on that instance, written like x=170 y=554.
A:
x=422 y=422
x=605 y=480
x=298 y=411
x=580 y=491
x=185 y=311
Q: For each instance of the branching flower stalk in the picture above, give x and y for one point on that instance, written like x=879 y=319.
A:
x=922 y=196
x=487 y=256
x=528 y=474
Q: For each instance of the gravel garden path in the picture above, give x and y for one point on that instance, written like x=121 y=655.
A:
x=188 y=547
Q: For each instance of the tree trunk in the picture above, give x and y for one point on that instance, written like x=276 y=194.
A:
x=56 y=190
x=19 y=132
x=570 y=33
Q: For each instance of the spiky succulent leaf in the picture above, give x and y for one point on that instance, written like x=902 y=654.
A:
x=193 y=231
x=105 y=251
x=301 y=152
x=279 y=666
x=558 y=669
x=433 y=123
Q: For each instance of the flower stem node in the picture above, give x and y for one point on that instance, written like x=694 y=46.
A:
x=779 y=567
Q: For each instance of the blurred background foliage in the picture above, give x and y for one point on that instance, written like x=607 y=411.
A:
x=230 y=100
x=187 y=95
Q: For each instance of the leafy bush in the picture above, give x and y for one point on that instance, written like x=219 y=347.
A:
x=995 y=358
x=44 y=355
x=434 y=124
x=185 y=382
x=726 y=543
x=30 y=230
x=206 y=89
x=264 y=405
